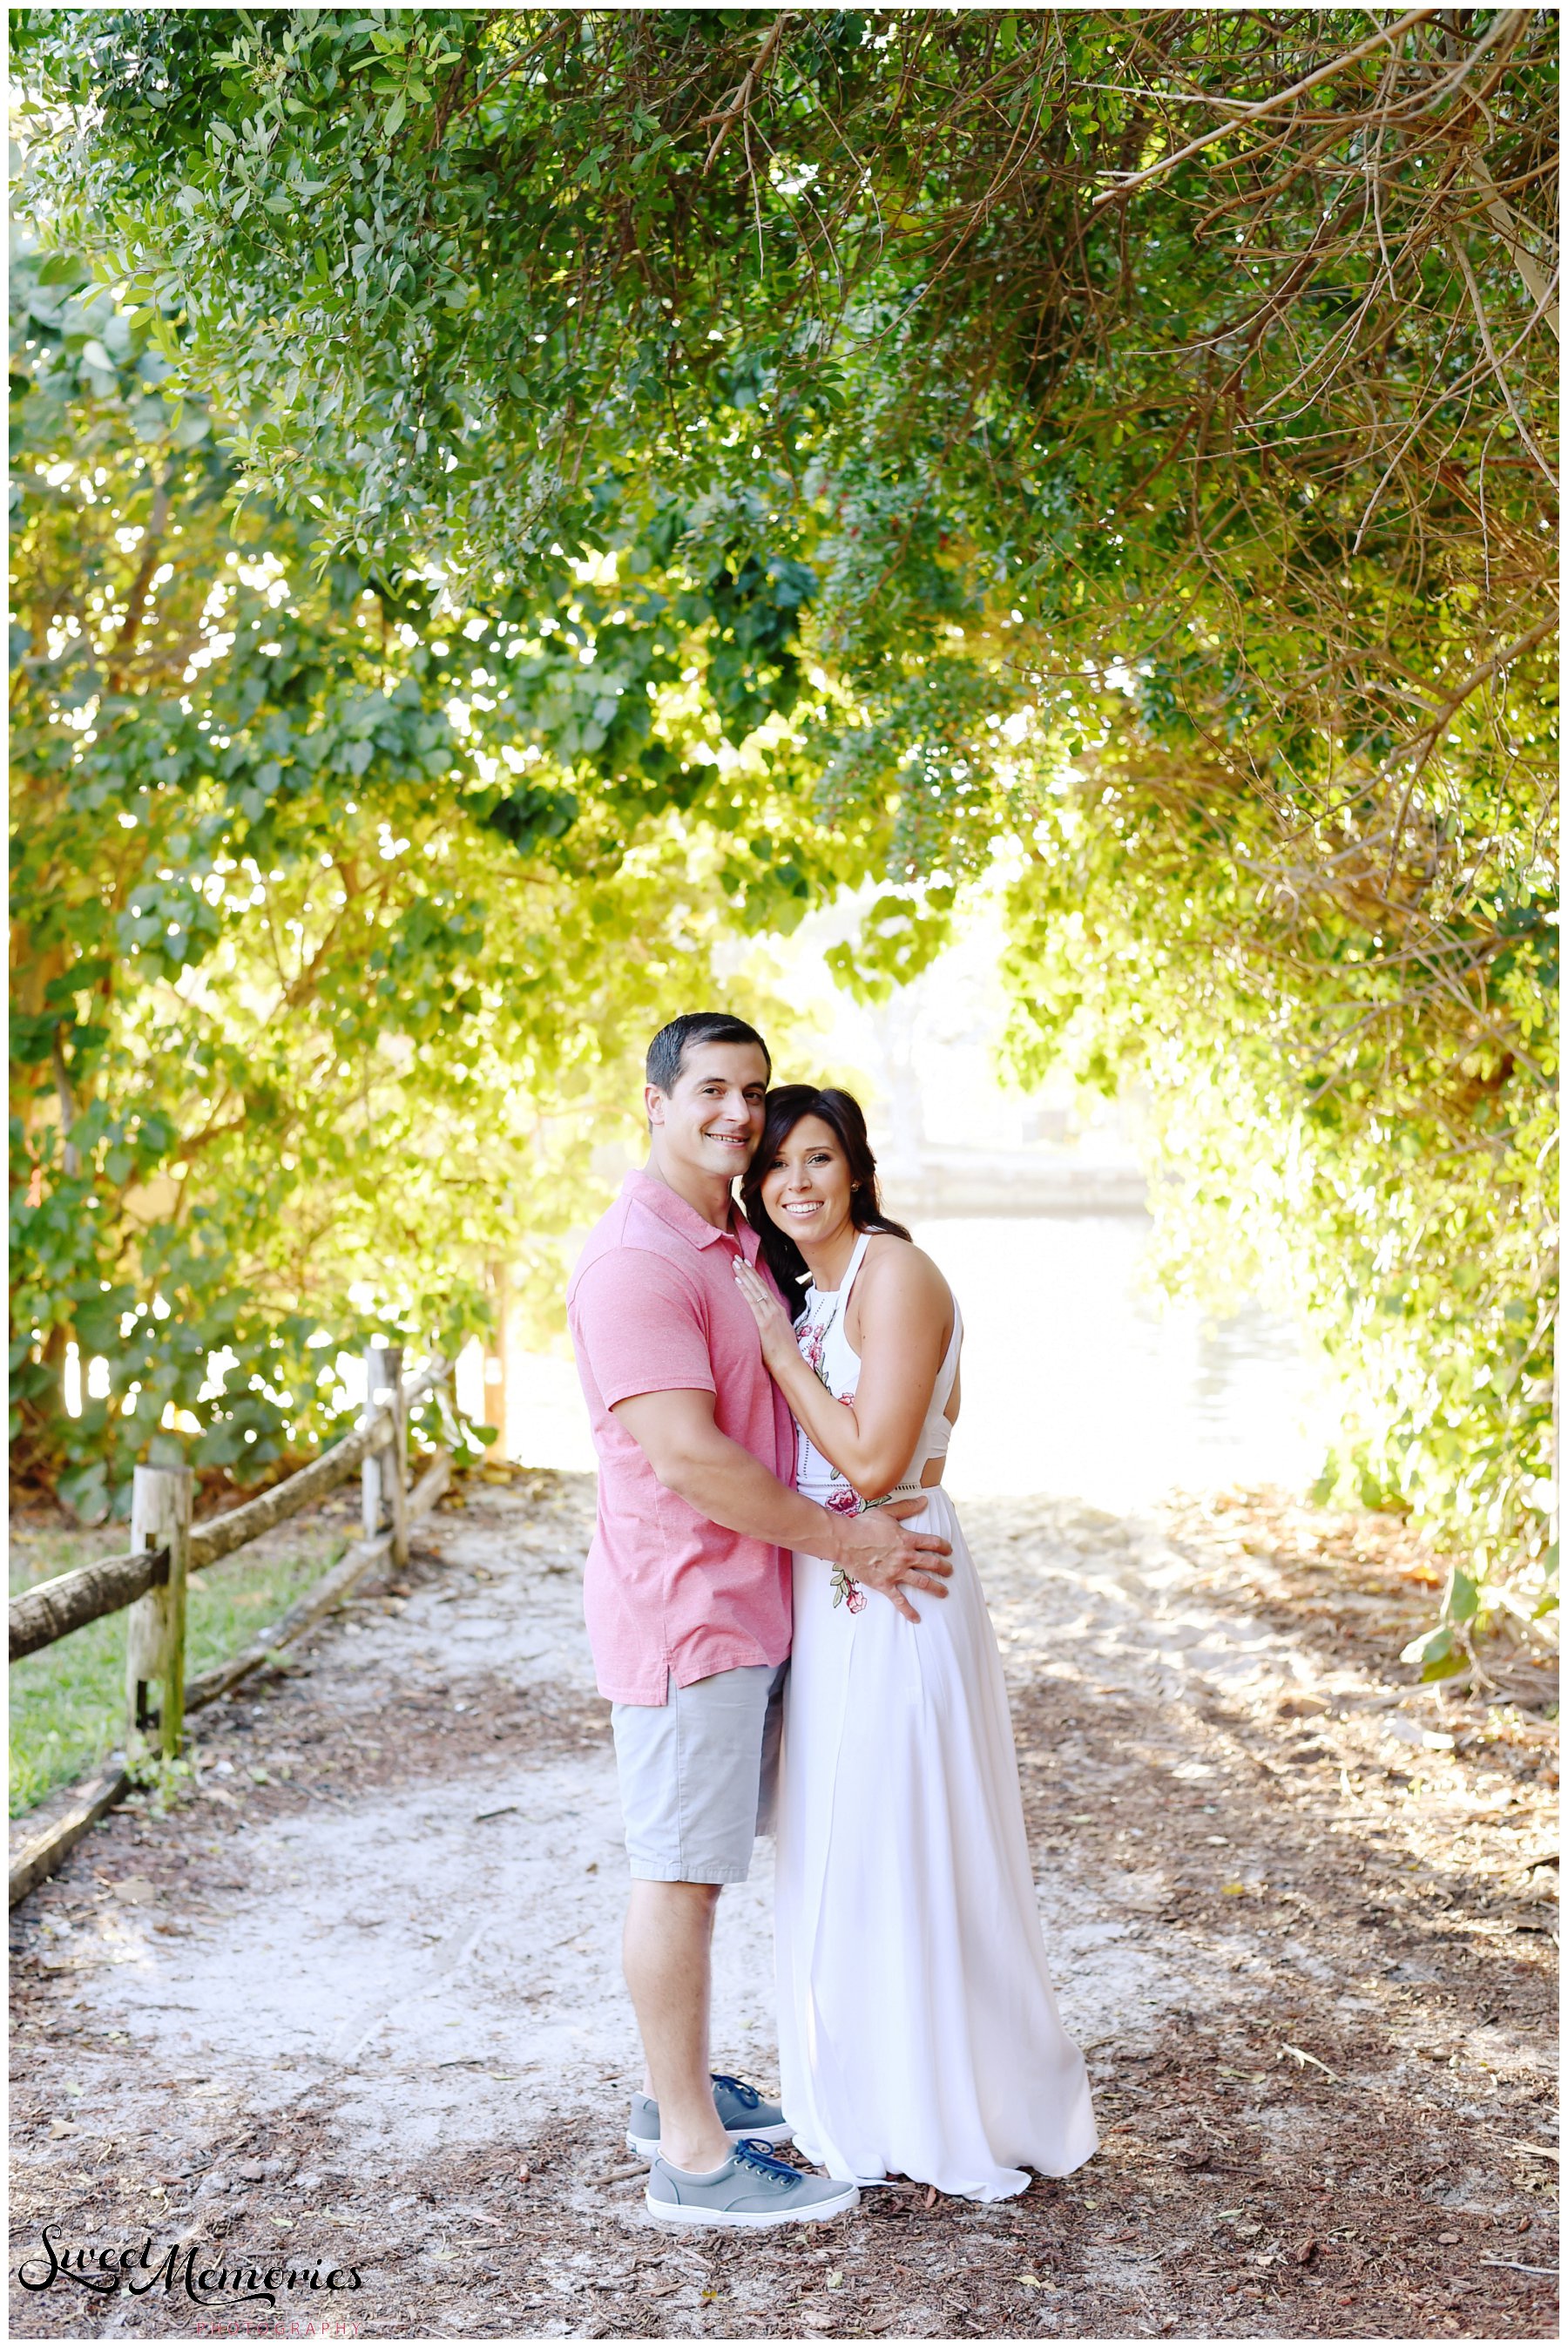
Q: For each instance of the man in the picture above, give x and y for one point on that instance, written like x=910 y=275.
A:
x=687 y=1597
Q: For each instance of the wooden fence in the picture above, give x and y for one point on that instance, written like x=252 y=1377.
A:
x=150 y=1585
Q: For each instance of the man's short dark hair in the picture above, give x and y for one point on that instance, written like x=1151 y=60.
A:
x=667 y=1053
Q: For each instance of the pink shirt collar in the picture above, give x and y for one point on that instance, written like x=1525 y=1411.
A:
x=672 y=1210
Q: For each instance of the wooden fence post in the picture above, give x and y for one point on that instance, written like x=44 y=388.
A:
x=497 y=1359
x=155 y=1626
x=397 y=1457
x=373 y=1480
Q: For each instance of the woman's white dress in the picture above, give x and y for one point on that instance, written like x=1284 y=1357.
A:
x=918 y=2033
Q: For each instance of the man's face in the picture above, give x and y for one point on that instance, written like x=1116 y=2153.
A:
x=713 y=1121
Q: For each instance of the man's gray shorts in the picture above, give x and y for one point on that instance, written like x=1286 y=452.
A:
x=699 y=1774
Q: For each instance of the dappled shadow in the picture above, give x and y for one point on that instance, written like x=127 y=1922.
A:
x=1303 y=1949
x=1322 y=2046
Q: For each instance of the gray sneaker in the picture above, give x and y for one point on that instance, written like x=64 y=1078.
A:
x=752 y=2190
x=741 y=2110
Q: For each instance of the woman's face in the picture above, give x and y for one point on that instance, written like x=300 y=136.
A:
x=807 y=1188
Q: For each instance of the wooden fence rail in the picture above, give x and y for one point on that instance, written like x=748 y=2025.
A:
x=151 y=1584
x=220 y=1535
x=53 y=1610
x=322 y=1596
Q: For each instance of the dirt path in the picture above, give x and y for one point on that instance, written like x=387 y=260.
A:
x=331 y=2006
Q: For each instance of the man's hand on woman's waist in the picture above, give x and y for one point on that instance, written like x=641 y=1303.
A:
x=729 y=1486
x=878 y=1548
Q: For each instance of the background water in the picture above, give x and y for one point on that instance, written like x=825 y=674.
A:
x=1074 y=1380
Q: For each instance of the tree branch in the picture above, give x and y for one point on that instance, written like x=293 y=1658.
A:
x=1537 y=286
x=1473 y=290
x=740 y=98
x=1264 y=106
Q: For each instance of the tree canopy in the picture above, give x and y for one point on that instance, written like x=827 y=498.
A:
x=315 y=1015
x=1116 y=443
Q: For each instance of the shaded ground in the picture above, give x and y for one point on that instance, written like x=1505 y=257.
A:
x=356 y=1999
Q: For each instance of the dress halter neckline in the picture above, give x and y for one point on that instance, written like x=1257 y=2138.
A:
x=856 y=1259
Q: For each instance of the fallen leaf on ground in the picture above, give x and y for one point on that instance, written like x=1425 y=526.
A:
x=1302 y=2058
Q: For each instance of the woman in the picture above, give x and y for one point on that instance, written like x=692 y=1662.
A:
x=917 y=2030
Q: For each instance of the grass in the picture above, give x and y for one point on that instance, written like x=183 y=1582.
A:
x=67 y=1702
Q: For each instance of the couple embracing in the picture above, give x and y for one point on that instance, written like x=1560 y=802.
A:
x=756 y=1381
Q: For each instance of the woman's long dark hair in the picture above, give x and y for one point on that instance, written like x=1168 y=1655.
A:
x=786 y=1105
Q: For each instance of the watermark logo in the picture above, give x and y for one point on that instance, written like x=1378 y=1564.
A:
x=193 y=2269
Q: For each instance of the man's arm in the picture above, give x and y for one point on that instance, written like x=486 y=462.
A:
x=721 y=1480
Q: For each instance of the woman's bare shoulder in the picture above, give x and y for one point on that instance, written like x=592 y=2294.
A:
x=900 y=1271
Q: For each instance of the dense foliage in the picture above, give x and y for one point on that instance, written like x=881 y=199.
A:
x=1150 y=413
x=314 y=1020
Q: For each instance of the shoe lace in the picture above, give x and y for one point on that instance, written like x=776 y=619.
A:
x=755 y=2154
x=742 y=2093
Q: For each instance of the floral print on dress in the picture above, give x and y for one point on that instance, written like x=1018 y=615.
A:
x=811 y=1339
x=846 y=1591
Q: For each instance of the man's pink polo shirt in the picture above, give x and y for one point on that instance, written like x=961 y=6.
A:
x=652 y=1306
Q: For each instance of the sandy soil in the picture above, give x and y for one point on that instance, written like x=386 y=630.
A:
x=354 y=2003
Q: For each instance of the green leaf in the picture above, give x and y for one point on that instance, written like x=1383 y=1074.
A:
x=1444 y=1667
x=1429 y=1646
x=61 y=268
x=1463 y=1597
